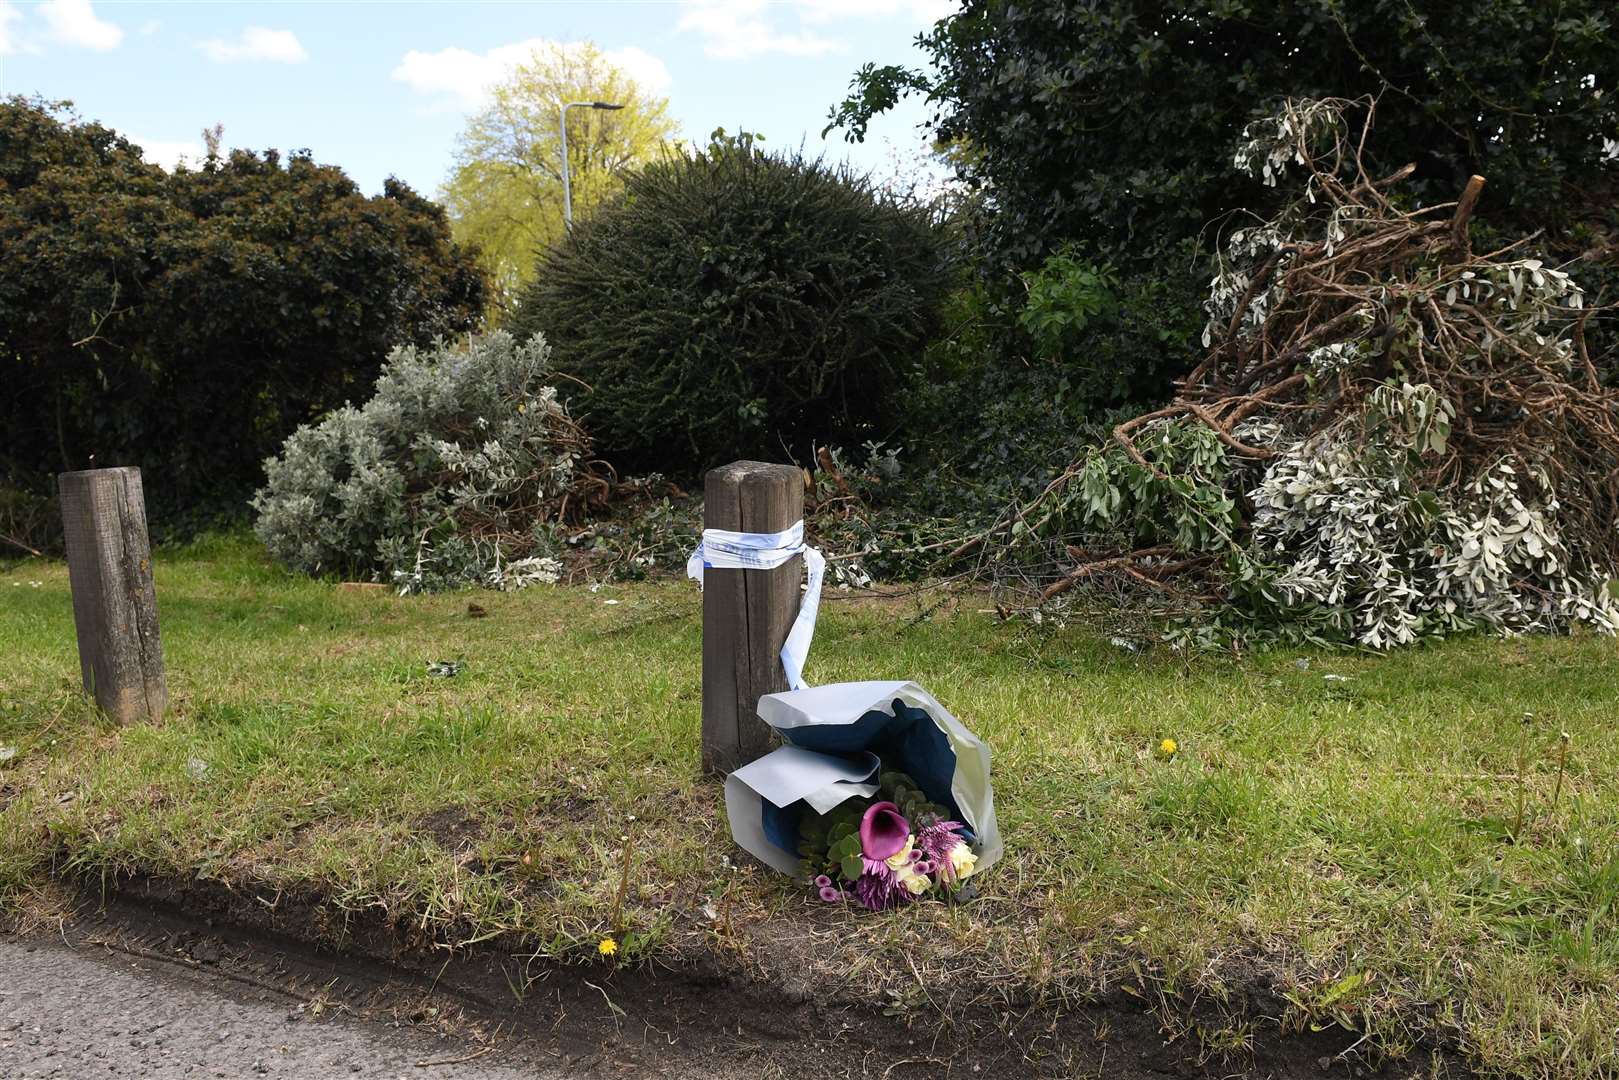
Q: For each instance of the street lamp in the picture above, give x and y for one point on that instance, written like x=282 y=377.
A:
x=567 y=193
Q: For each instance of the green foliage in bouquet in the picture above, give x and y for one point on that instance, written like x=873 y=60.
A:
x=830 y=843
x=899 y=789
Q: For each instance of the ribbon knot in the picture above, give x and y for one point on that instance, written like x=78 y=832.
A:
x=722 y=549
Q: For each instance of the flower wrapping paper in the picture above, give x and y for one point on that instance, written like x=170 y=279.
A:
x=837 y=736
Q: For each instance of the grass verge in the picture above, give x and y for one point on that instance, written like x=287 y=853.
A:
x=1405 y=845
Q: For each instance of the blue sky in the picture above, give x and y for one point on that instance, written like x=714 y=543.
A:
x=383 y=87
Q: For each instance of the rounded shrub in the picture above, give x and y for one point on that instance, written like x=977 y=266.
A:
x=732 y=303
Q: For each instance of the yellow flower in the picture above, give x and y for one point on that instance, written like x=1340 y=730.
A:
x=607 y=947
x=916 y=884
x=903 y=856
x=962 y=861
x=1168 y=747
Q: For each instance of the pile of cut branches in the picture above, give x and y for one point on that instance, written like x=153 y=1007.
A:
x=1389 y=436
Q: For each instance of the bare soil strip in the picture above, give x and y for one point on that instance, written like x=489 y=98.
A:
x=483 y=1012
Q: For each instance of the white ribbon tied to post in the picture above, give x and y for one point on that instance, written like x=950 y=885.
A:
x=721 y=549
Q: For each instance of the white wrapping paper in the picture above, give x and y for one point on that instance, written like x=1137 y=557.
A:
x=792 y=773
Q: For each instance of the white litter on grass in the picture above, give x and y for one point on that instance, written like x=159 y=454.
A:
x=522 y=573
x=609 y=603
x=1302 y=663
x=7 y=753
x=1335 y=678
x=196 y=767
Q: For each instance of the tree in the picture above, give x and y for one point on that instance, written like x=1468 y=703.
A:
x=505 y=195
x=1109 y=122
x=730 y=303
x=187 y=322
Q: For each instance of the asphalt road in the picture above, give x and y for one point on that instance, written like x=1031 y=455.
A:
x=85 y=1013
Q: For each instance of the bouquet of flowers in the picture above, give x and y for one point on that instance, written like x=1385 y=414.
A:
x=879 y=797
x=887 y=852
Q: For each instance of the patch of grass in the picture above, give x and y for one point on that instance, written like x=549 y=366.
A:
x=1398 y=851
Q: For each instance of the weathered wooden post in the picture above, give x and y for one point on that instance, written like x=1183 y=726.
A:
x=109 y=566
x=746 y=613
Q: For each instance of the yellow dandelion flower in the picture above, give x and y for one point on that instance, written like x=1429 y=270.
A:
x=1168 y=747
x=608 y=947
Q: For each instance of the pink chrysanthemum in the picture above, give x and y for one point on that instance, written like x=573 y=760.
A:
x=937 y=840
x=878 y=887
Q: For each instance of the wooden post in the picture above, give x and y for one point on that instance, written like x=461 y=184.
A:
x=746 y=613
x=109 y=566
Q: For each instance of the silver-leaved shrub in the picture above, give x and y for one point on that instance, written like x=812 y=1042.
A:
x=441 y=479
x=1348 y=534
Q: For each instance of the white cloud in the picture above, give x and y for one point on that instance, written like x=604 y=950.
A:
x=257 y=43
x=167 y=154
x=74 y=22
x=922 y=11
x=467 y=76
x=647 y=70
x=8 y=14
x=737 y=28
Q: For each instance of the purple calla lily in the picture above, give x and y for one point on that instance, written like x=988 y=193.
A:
x=883 y=831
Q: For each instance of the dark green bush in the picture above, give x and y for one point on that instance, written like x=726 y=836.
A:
x=1008 y=392
x=974 y=432
x=30 y=523
x=732 y=303
x=1111 y=337
x=1110 y=123
x=187 y=322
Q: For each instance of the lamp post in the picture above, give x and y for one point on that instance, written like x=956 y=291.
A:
x=567 y=192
